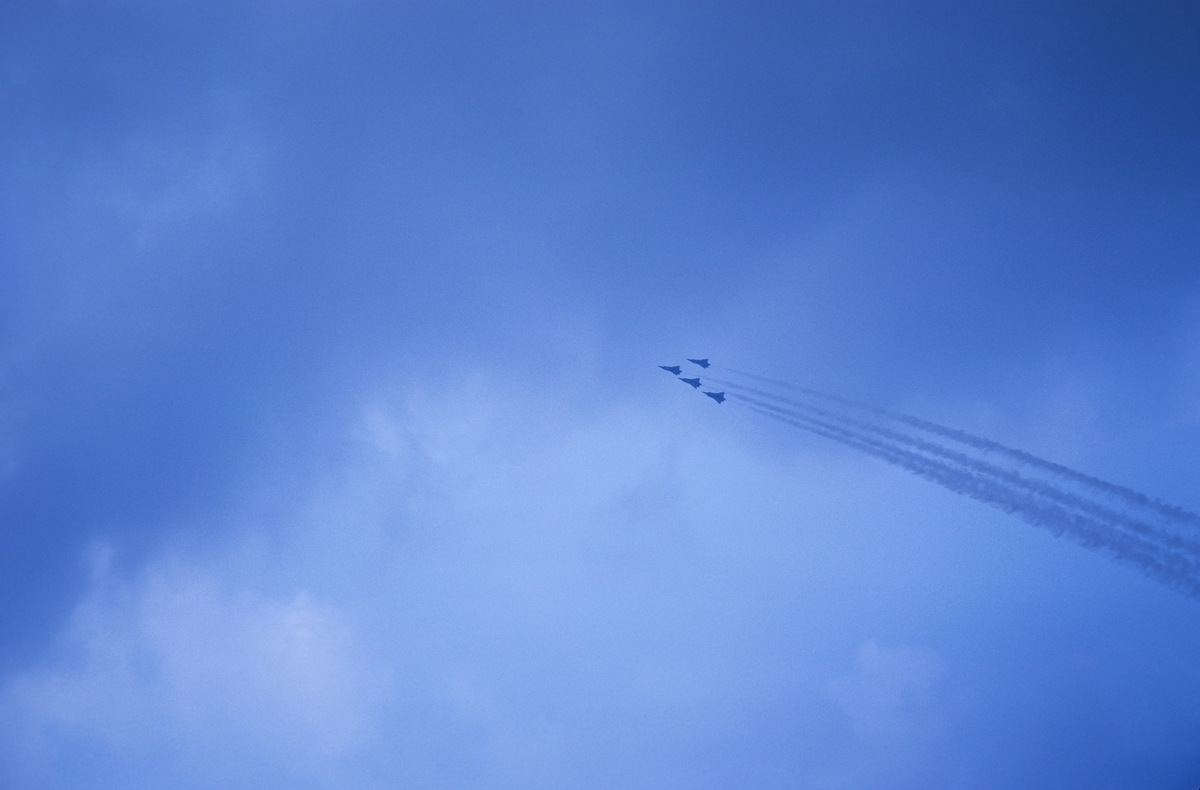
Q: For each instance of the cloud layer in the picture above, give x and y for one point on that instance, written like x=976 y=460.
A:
x=485 y=594
x=333 y=452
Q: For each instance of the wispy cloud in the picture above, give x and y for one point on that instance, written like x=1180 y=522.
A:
x=178 y=665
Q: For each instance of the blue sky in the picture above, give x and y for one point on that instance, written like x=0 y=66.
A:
x=333 y=452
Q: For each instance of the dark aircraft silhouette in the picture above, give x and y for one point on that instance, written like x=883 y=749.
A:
x=719 y=397
x=693 y=382
x=672 y=369
x=701 y=362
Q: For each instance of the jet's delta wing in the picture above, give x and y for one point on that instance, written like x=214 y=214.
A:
x=693 y=382
x=672 y=369
x=719 y=397
x=701 y=362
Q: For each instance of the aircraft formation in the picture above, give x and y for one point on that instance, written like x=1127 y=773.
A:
x=677 y=370
x=1161 y=540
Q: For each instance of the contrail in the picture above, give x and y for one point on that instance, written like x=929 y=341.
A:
x=1059 y=520
x=1174 y=569
x=1120 y=522
x=1006 y=476
x=1175 y=514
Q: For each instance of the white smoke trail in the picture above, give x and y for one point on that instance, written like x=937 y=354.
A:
x=1172 y=513
x=1175 y=569
x=1006 y=476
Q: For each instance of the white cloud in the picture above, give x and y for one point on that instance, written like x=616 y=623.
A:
x=900 y=711
x=888 y=692
x=486 y=590
x=177 y=665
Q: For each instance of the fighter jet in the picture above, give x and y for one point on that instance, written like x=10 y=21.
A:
x=719 y=397
x=672 y=369
x=701 y=362
x=693 y=382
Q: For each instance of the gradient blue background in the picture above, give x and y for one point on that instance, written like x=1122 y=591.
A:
x=333 y=453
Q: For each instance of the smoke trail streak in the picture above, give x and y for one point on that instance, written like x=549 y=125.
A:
x=1151 y=558
x=1171 y=512
x=1009 y=477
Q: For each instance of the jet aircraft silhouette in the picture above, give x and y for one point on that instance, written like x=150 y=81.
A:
x=719 y=397
x=672 y=369
x=693 y=382
x=701 y=362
